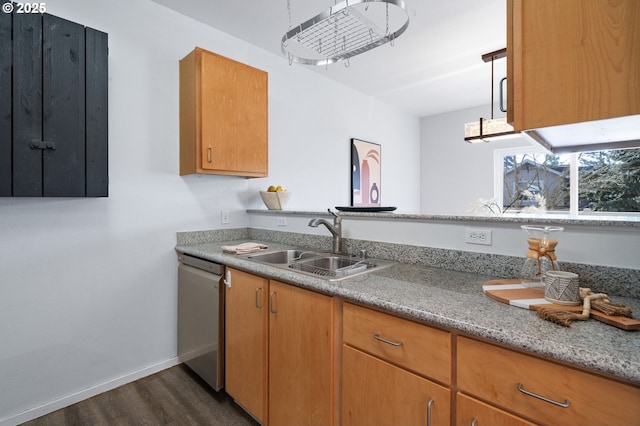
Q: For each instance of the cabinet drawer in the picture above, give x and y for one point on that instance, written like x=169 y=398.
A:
x=417 y=347
x=470 y=411
x=495 y=374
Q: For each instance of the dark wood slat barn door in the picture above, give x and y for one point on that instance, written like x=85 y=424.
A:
x=53 y=108
x=63 y=104
x=27 y=104
x=6 y=131
x=97 y=110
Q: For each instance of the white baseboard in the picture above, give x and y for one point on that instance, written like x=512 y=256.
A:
x=65 y=401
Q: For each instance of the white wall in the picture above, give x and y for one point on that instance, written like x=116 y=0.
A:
x=311 y=123
x=88 y=286
x=455 y=172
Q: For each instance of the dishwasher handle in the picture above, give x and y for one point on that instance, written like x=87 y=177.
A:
x=202 y=264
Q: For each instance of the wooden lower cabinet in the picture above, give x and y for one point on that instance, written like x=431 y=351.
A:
x=415 y=347
x=470 y=411
x=246 y=341
x=300 y=356
x=279 y=351
x=541 y=390
x=375 y=392
x=282 y=360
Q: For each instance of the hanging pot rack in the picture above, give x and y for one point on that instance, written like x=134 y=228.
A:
x=344 y=31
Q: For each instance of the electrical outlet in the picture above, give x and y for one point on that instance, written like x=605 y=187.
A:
x=282 y=221
x=224 y=217
x=477 y=236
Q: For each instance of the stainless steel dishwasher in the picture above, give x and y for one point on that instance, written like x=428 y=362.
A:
x=201 y=318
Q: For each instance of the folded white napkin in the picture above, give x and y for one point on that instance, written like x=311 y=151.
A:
x=244 y=248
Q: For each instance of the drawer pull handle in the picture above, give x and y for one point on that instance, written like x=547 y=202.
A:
x=564 y=404
x=388 y=342
x=474 y=421
x=429 y=404
x=271 y=304
x=258 y=293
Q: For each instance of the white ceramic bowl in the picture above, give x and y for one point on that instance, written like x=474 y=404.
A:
x=275 y=200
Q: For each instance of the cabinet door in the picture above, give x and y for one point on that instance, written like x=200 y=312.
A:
x=375 y=392
x=300 y=356
x=6 y=30
x=246 y=342
x=27 y=114
x=233 y=116
x=53 y=125
x=63 y=107
x=571 y=61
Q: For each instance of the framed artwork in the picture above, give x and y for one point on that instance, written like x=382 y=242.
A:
x=365 y=174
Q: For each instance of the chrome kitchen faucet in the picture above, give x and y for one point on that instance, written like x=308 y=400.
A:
x=335 y=229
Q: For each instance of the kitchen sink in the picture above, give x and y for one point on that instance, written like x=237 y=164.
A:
x=282 y=256
x=330 y=266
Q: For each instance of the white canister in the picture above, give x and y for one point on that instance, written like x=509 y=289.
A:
x=562 y=287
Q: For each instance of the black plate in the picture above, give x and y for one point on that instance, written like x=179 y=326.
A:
x=366 y=209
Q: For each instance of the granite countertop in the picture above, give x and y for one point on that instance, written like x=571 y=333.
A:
x=455 y=300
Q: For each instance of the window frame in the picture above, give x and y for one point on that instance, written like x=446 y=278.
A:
x=498 y=176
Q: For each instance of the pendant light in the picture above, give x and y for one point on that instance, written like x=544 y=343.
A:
x=347 y=29
x=487 y=130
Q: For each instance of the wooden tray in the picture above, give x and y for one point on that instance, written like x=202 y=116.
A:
x=531 y=296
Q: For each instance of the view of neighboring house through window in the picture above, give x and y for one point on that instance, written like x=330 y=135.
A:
x=534 y=180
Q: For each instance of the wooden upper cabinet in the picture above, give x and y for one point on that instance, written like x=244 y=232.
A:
x=223 y=116
x=570 y=61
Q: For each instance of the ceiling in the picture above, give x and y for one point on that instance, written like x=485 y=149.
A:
x=434 y=67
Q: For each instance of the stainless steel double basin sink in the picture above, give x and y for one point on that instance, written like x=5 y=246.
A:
x=330 y=266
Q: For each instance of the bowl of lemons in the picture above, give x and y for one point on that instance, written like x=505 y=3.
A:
x=275 y=197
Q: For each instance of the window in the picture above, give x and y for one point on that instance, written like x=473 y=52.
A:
x=609 y=181
x=534 y=180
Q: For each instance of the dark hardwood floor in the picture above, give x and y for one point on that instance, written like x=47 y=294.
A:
x=175 y=396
